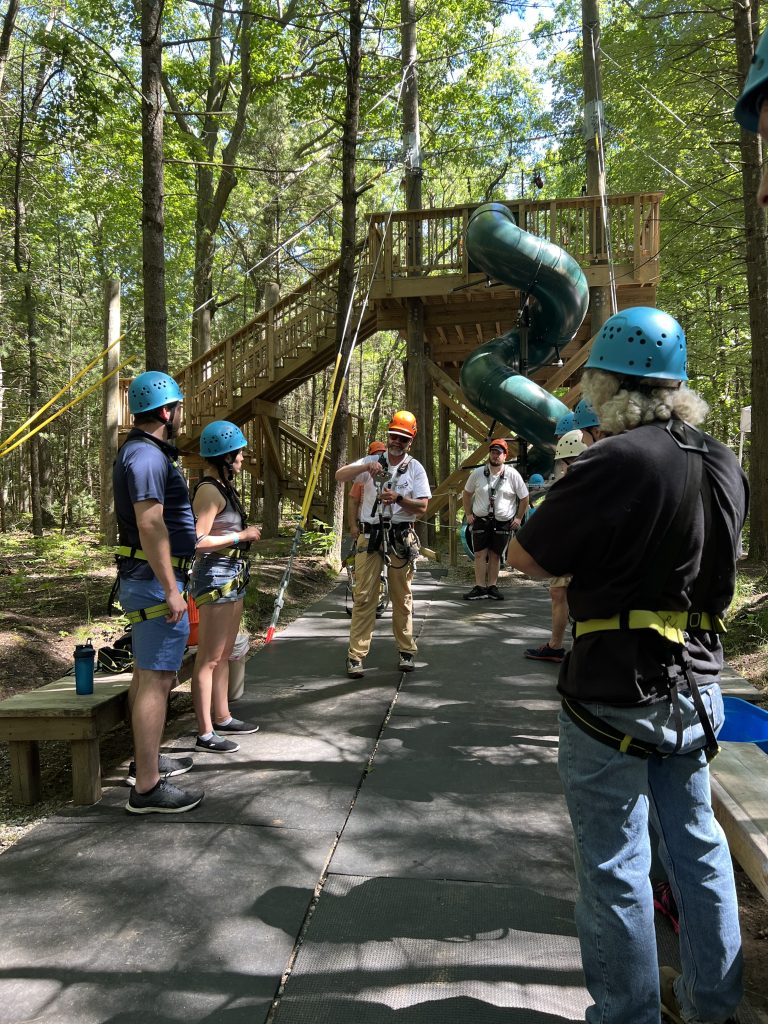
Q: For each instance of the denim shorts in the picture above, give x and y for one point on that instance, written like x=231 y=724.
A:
x=210 y=573
x=157 y=644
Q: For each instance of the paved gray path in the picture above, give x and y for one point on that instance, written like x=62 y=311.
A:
x=395 y=848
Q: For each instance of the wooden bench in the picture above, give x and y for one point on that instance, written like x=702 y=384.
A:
x=56 y=712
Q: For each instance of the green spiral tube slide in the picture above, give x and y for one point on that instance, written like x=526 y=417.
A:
x=490 y=377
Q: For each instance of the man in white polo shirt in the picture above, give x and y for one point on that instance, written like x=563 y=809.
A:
x=395 y=492
x=495 y=500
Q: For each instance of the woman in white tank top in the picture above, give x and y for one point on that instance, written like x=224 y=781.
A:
x=219 y=579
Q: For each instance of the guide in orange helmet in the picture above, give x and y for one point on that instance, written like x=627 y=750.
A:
x=395 y=492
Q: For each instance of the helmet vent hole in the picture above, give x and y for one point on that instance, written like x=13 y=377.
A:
x=659 y=344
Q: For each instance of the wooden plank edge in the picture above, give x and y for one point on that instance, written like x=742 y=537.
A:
x=747 y=841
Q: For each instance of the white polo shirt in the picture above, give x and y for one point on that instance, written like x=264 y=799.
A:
x=411 y=483
x=508 y=488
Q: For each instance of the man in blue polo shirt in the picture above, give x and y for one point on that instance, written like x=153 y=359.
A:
x=157 y=537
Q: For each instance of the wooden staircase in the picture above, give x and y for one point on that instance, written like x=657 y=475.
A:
x=244 y=377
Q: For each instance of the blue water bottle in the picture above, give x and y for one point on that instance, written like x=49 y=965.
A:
x=85 y=656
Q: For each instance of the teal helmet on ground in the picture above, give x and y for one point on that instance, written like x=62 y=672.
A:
x=640 y=342
x=221 y=437
x=747 y=109
x=535 y=480
x=564 y=424
x=585 y=416
x=152 y=390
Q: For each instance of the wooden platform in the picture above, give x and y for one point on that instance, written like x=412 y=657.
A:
x=57 y=712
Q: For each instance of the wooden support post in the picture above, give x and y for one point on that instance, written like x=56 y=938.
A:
x=444 y=466
x=271 y=482
x=110 y=411
x=25 y=771
x=86 y=772
x=453 y=536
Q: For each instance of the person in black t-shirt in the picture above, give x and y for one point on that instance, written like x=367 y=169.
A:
x=157 y=537
x=653 y=567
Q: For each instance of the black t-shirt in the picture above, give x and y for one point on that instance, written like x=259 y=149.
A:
x=602 y=524
x=146 y=470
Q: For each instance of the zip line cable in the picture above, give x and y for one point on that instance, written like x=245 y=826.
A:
x=74 y=380
x=88 y=391
x=331 y=409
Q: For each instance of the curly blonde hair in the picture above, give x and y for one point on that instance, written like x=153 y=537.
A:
x=620 y=409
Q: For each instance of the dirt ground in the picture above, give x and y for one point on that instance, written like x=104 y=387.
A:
x=50 y=601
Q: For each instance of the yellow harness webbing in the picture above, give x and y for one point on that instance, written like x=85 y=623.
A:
x=207 y=596
x=154 y=611
x=176 y=561
x=670 y=625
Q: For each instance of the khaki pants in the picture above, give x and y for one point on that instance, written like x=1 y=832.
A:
x=367 y=574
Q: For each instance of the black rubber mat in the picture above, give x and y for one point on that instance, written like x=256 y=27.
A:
x=403 y=950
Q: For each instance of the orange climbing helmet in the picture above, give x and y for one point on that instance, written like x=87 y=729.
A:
x=375 y=447
x=403 y=423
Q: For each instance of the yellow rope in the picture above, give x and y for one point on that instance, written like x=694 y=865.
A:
x=74 y=380
x=8 y=450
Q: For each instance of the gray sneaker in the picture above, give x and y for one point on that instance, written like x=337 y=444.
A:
x=236 y=726
x=217 y=744
x=406 y=663
x=167 y=766
x=355 y=668
x=165 y=798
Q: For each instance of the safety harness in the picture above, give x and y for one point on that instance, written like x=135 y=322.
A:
x=671 y=626
x=241 y=580
x=124 y=552
x=385 y=536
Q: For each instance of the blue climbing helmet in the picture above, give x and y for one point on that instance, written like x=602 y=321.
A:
x=565 y=424
x=640 y=342
x=584 y=416
x=535 y=480
x=747 y=109
x=152 y=390
x=221 y=437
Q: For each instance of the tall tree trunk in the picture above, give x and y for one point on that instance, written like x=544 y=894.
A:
x=110 y=411
x=9 y=23
x=3 y=462
x=153 y=218
x=28 y=306
x=346 y=285
x=415 y=352
x=599 y=295
x=745 y=30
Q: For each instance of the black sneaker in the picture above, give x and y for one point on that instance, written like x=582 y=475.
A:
x=217 y=744
x=494 y=593
x=545 y=653
x=406 y=663
x=355 y=668
x=236 y=725
x=476 y=594
x=167 y=766
x=164 y=798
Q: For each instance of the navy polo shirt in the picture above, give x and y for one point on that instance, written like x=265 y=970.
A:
x=146 y=470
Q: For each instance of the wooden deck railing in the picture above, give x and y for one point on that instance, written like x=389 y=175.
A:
x=245 y=364
x=573 y=224
x=254 y=356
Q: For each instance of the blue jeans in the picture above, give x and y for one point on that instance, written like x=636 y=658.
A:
x=610 y=798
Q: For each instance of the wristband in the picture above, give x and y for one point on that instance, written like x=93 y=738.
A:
x=234 y=539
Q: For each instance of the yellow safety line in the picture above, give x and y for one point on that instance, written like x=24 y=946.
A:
x=74 y=380
x=7 y=451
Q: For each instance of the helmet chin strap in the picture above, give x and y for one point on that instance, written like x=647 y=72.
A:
x=165 y=415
